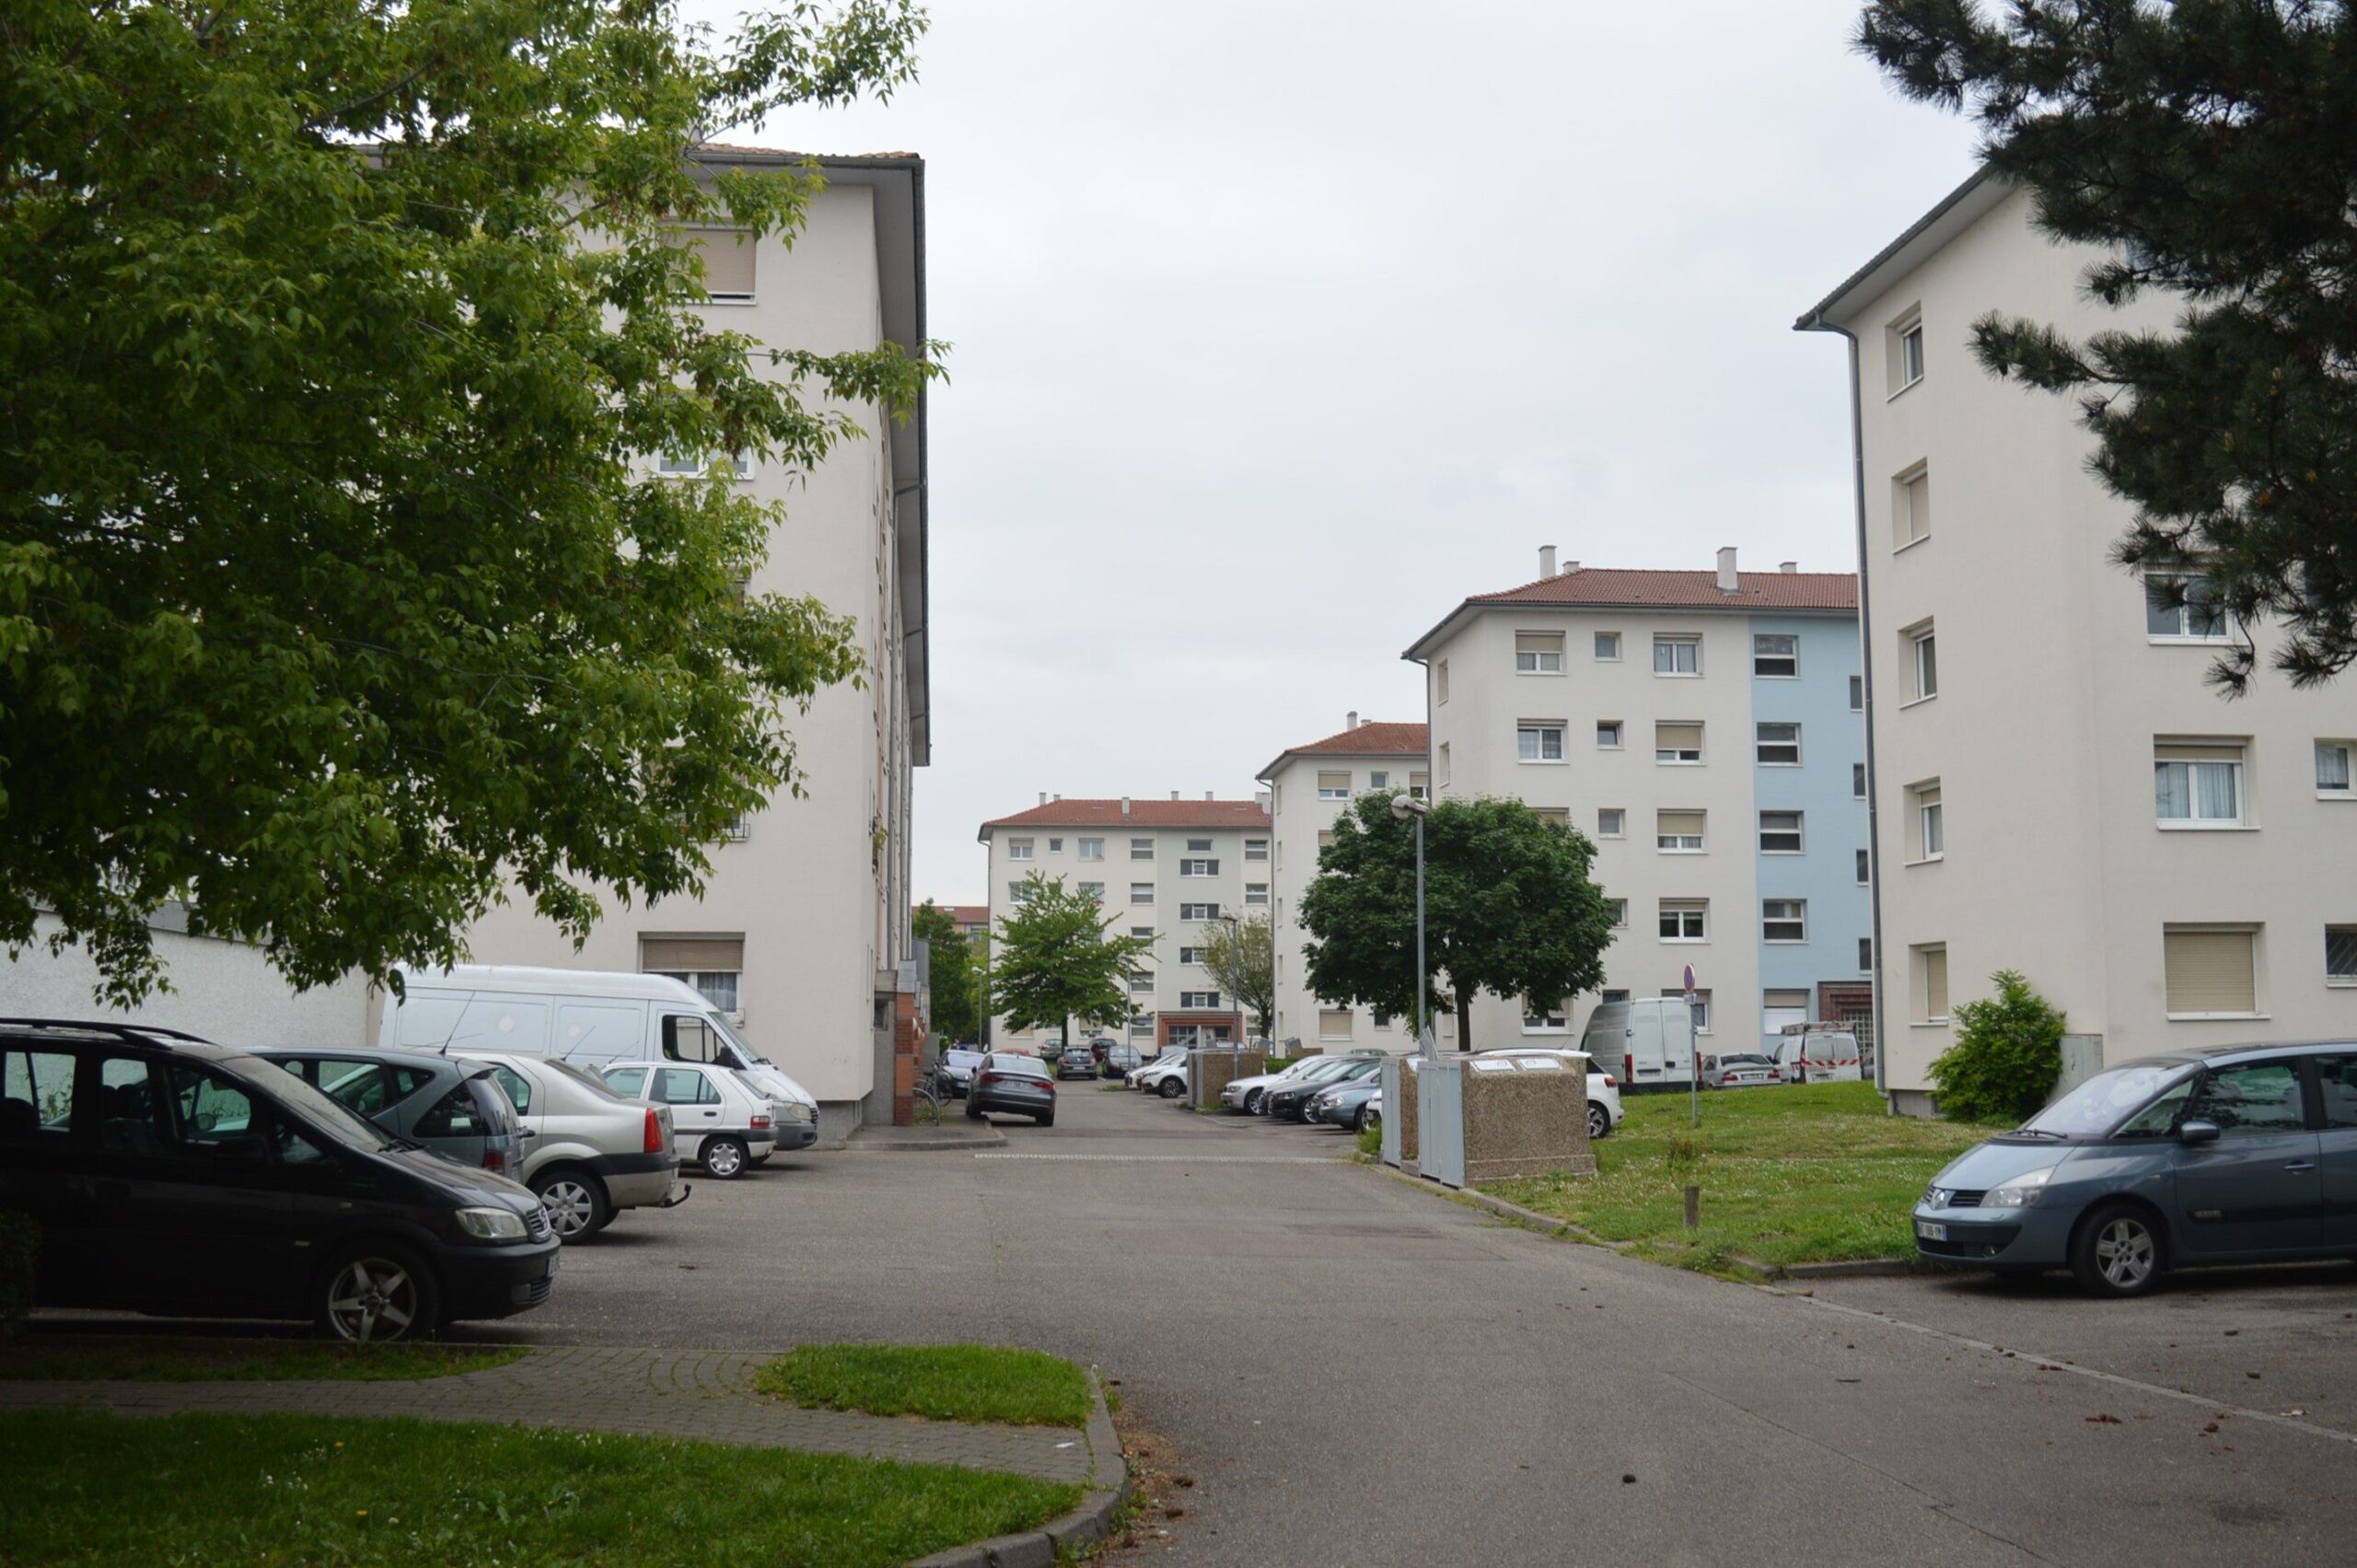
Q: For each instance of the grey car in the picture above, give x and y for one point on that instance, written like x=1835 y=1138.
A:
x=1014 y=1085
x=2235 y=1155
x=450 y=1105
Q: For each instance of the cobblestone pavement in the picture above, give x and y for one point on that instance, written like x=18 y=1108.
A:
x=706 y=1394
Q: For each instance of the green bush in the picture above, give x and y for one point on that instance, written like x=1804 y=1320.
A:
x=2007 y=1054
x=1371 y=1141
x=19 y=1250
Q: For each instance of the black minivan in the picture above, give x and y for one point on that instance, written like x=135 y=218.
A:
x=170 y=1176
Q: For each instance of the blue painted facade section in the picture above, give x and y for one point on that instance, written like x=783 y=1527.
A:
x=1833 y=743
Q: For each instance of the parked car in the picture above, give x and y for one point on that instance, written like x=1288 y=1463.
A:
x=1820 y=1056
x=1290 y=1102
x=1247 y=1094
x=1168 y=1055
x=1121 y=1059
x=452 y=1106
x=1604 y=1113
x=1739 y=1070
x=1345 y=1104
x=1014 y=1085
x=593 y=1152
x=1075 y=1061
x=718 y=1119
x=2232 y=1155
x=957 y=1064
x=1165 y=1075
x=170 y=1176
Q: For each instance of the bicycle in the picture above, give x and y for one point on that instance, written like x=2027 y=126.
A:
x=931 y=1095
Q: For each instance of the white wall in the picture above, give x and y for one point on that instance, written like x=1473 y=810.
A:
x=226 y=992
x=1300 y=818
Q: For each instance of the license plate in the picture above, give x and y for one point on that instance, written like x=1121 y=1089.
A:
x=1931 y=1231
x=552 y=1258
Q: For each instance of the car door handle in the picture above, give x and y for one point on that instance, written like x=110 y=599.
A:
x=115 y=1189
x=2301 y=1164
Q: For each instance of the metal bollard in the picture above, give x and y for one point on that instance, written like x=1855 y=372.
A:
x=1693 y=1208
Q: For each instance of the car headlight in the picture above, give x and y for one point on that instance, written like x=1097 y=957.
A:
x=492 y=1224
x=797 y=1112
x=2018 y=1191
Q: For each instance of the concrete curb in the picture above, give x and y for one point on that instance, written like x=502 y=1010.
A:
x=1109 y=1488
x=925 y=1146
x=1499 y=1206
x=1848 y=1269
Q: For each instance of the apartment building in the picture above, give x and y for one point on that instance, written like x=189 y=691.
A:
x=2055 y=789
x=1167 y=869
x=803 y=930
x=1309 y=786
x=1704 y=730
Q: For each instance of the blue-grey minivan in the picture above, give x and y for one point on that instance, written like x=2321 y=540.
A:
x=2237 y=1155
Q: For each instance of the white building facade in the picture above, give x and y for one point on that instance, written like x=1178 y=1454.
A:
x=2056 y=790
x=1700 y=728
x=804 y=928
x=1309 y=787
x=1171 y=870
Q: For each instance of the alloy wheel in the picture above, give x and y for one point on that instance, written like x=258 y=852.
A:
x=570 y=1207
x=372 y=1300
x=2125 y=1253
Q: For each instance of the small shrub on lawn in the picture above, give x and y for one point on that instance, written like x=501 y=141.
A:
x=2008 y=1052
x=1371 y=1141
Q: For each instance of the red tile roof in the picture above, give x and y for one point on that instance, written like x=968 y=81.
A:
x=1614 y=587
x=971 y=914
x=1108 y=813
x=1372 y=738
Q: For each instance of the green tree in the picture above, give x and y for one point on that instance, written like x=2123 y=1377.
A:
x=2007 y=1054
x=2206 y=143
x=1242 y=960
x=957 y=984
x=1509 y=908
x=1056 y=960
x=335 y=590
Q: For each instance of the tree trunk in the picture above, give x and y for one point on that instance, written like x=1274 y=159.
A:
x=1463 y=1020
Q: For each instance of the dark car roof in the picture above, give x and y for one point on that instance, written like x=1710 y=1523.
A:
x=2203 y=1054
x=88 y=1032
x=428 y=1061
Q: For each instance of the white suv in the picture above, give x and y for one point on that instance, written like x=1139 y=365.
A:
x=590 y=1152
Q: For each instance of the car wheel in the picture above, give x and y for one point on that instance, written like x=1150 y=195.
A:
x=1252 y=1101
x=376 y=1293
x=1170 y=1088
x=1599 y=1120
x=1370 y=1118
x=2118 y=1251
x=973 y=1111
x=1046 y=1119
x=724 y=1158
x=575 y=1202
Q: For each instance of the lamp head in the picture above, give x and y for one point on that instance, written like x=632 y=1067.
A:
x=1403 y=807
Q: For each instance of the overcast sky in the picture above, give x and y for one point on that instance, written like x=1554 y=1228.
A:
x=1281 y=326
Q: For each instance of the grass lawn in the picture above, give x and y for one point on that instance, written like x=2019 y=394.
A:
x=196 y=1359
x=1807 y=1173
x=277 y=1491
x=1018 y=1387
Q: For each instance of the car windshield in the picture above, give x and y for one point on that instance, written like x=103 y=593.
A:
x=314 y=1107
x=2106 y=1100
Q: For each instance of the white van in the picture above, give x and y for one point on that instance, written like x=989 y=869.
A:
x=590 y=1017
x=1650 y=1039
x=1820 y=1056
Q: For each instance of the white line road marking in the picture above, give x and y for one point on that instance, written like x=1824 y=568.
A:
x=1176 y=1159
x=2051 y=1365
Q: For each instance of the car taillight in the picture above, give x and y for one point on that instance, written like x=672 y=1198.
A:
x=495 y=1159
x=654 y=1133
x=993 y=1077
x=1629 y=1068
x=1610 y=1082
x=1052 y=1086
x=759 y=1122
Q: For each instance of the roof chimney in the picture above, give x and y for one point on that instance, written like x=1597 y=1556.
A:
x=1174 y=795
x=1546 y=559
x=1728 y=582
x=1260 y=798
x=1788 y=567
x=1570 y=567
x=1125 y=806
x=1207 y=794
x=1043 y=797
x=1350 y=720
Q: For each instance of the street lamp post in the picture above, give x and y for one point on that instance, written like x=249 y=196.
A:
x=1235 y=961
x=1404 y=807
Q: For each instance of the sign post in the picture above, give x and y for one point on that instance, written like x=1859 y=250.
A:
x=1693 y=1052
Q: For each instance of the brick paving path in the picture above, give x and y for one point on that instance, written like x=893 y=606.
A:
x=706 y=1394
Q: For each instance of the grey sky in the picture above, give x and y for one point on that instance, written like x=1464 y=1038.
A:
x=1281 y=326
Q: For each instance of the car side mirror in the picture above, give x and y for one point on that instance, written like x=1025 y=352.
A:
x=2197 y=1132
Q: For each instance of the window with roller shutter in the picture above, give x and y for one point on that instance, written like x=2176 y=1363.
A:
x=2211 y=971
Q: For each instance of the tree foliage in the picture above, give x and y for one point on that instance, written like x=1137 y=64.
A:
x=1242 y=962
x=2207 y=142
x=2007 y=1054
x=1509 y=908
x=1056 y=960
x=956 y=977
x=335 y=590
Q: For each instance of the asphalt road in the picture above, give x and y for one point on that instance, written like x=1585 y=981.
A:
x=1356 y=1371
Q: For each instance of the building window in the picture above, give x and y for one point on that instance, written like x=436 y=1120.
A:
x=1927 y=832
x=1334 y=787
x=1539 y=653
x=1618 y=909
x=1018 y=893
x=1419 y=786
x=1611 y=822
x=1198 y=911
x=2197 y=785
x=1539 y=741
x=1198 y=868
x=1093 y=890
x=1442 y=763
x=1141 y=982
x=1778 y=1008
x=1776 y=656
x=1678 y=832
x=1440 y=684
x=1932 y=983
x=1544 y=1018
x=1780 y=833
x=1920 y=651
x=1857 y=693
x=2341 y=954
x=1198 y=846
x=1911 y=507
x=1607 y=646
x=1559 y=815
x=1784 y=920
x=1018 y=849
x=1858 y=780
x=1190 y=955
x=1378 y=779
x=1145 y=930
x=2211 y=971
x=2332 y=768
x=1701 y=1006
x=1140 y=892
x=1678 y=742
x=1906 y=354
x=1685 y=920
x=1866 y=954
x=1325 y=837
x=1676 y=654
x=1865 y=869
x=1382 y=1019
x=1256 y=893
x=1607 y=735
x=715 y=987
x=2195 y=617
x=1092 y=849
x=1778 y=745
x=1256 y=849
x=1141 y=849
x=1334 y=1023
x=1141 y=1029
